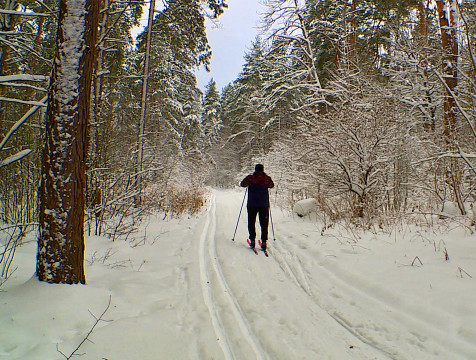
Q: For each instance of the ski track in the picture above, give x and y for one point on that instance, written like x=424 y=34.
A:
x=298 y=274
x=301 y=279
x=207 y=291
x=208 y=241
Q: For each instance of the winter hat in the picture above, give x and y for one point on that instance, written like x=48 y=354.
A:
x=259 y=167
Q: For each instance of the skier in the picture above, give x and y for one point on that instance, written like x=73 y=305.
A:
x=258 y=203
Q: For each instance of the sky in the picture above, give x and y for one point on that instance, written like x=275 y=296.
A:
x=230 y=37
x=237 y=28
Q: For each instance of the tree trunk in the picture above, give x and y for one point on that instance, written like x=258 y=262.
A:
x=449 y=43
x=143 y=110
x=352 y=60
x=430 y=119
x=60 y=257
x=450 y=62
x=7 y=24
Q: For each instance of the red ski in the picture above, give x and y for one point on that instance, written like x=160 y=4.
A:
x=265 y=251
x=249 y=243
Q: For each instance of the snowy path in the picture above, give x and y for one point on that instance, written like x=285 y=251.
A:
x=332 y=307
x=207 y=259
x=183 y=290
x=298 y=321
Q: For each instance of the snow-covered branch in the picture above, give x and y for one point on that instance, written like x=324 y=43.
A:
x=24 y=102
x=20 y=122
x=23 y=77
x=11 y=159
x=24 y=13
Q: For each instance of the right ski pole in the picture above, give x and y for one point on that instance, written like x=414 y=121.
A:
x=241 y=208
x=271 y=217
x=272 y=225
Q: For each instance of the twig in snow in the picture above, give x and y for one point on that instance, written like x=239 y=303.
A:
x=140 y=267
x=461 y=271
x=416 y=258
x=447 y=257
x=98 y=319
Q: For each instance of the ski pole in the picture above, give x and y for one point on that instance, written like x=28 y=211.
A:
x=271 y=217
x=272 y=225
x=241 y=208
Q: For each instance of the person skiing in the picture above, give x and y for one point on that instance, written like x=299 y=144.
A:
x=258 y=203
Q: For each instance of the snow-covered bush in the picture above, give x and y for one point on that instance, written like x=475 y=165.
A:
x=305 y=207
x=356 y=159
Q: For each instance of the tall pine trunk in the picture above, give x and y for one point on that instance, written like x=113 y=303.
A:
x=430 y=118
x=446 y=14
x=143 y=107
x=60 y=257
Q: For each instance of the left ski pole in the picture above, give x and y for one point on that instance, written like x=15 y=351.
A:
x=241 y=208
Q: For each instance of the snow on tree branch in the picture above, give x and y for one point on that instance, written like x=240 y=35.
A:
x=13 y=158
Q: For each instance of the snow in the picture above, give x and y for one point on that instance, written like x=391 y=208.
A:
x=183 y=290
x=23 y=77
x=11 y=159
x=70 y=53
x=305 y=207
x=451 y=209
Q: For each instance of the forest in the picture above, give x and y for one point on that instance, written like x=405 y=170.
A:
x=368 y=106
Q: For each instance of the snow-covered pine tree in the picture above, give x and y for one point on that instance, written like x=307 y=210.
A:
x=242 y=111
x=210 y=119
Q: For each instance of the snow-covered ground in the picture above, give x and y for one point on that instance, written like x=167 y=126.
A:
x=184 y=290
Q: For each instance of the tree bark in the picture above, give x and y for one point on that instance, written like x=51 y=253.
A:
x=7 y=23
x=430 y=120
x=450 y=73
x=60 y=257
x=352 y=61
x=449 y=44
x=143 y=107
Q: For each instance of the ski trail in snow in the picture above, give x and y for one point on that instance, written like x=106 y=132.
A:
x=283 y=263
x=207 y=290
x=374 y=302
x=299 y=277
x=235 y=307
x=209 y=234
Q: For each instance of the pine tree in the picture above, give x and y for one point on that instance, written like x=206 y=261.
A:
x=243 y=113
x=210 y=122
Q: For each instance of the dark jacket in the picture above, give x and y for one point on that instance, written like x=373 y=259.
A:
x=258 y=185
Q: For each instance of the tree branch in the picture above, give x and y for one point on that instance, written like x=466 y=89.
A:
x=97 y=320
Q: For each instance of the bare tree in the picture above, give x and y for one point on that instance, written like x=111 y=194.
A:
x=285 y=26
